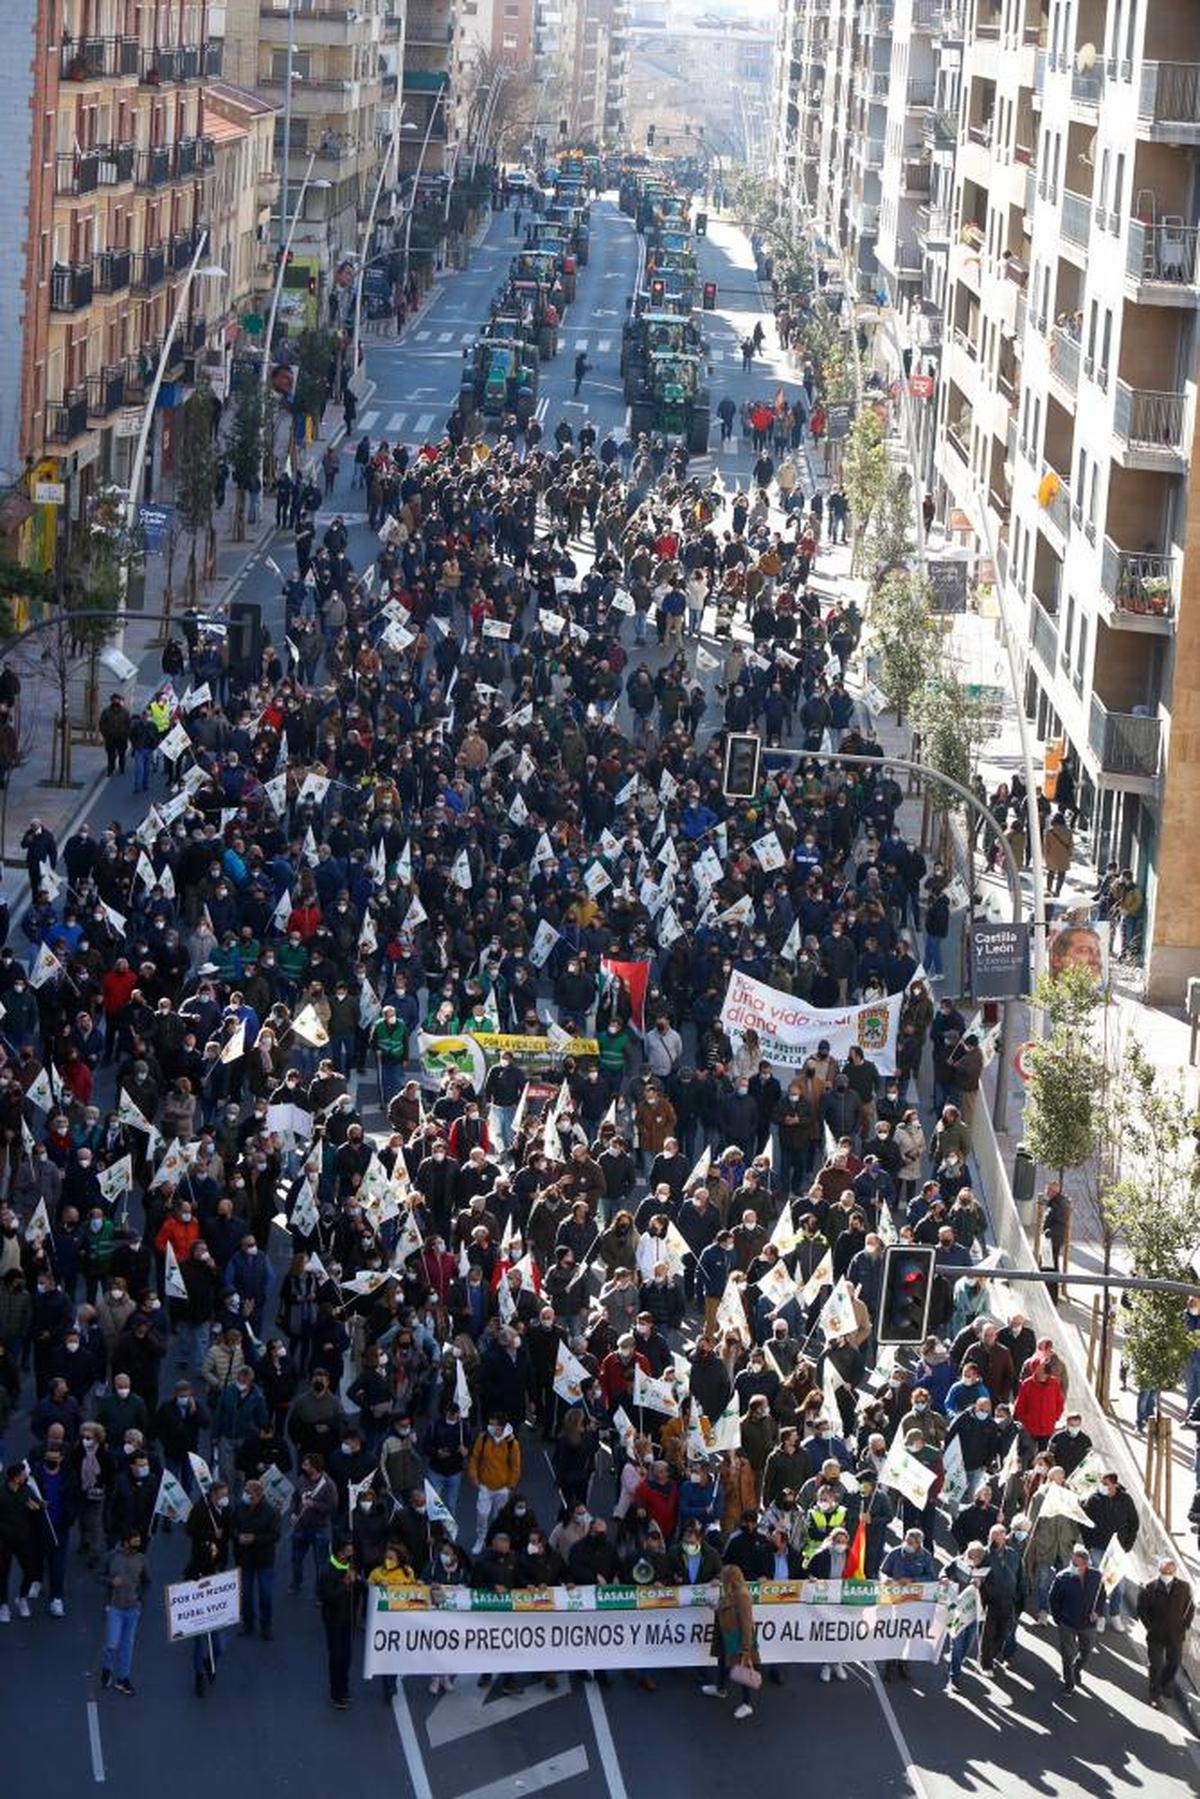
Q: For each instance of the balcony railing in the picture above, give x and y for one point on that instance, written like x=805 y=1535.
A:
x=868 y=219
x=1087 y=87
x=77 y=172
x=182 y=249
x=963 y=339
x=106 y=392
x=149 y=268
x=89 y=58
x=1076 y=219
x=940 y=130
x=1138 y=581
x=425 y=81
x=916 y=178
x=1163 y=253
x=1044 y=633
x=67 y=418
x=117 y=163
x=1058 y=507
x=1170 y=94
x=1124 y=743
x=70 y=286
x=1150 y=421
x=187 y=157
x=153 y=167
x=872 y=153
x=214 y=58
x=920 y=91
x=113 y=269
x=909 y=261
x=933 y=225
x=1064 y=357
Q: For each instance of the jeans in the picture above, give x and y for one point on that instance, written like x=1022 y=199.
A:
x=933 y=954
x=120 y=1634
x=1043 y=1580
x=639 y=627
x=342 y=1051
x=143 y=761
x=961 y=1647
x=391 y=1079
x=54 y=1564
x=447 y=1487
x=1147 y=1405
x=502 y=1125
x=192 y=1341
x=302 y=1542
x=258 y=1587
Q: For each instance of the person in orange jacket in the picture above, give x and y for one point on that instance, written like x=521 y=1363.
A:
x=180 y=1228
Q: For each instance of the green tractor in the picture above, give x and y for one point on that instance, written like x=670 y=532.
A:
x=650 y=334
x=671 y=399
x=499 y=377
x=552 y=240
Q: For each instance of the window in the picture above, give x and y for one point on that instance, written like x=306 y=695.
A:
x=1081 y=659
x=1118 y=187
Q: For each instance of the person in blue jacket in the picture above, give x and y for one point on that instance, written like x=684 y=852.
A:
x=1075 y=1600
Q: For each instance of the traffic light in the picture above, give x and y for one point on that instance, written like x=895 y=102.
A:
x=740 y=778
x=312 y=285
x=658 y=291
x=709 y=297
x=906 y=1292
x=650 y=134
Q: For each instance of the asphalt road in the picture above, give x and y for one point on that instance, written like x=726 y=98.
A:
x=267 y=1727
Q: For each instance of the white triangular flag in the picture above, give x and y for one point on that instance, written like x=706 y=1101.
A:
x=235 y=1048
x=658 y=1395
x=460 y=871
x=201 y=1471
x=116 y=1180
x=172 y=1502
x=309 y=851
x=820 y=1277
x=569 y=1374
x=40 y=1092
x=791 y=946
x=731 y=1312
x=305 y=1216
x=307 y=1025
x=175 y=743
x=45 y=964
x=38 y=1227
x=313 y=787
x=462 y=1392
x=837 y=1314
x=173 y=1282
x=276 y=792
x=437 y=1511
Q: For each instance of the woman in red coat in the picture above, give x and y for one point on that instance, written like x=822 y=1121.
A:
x=1039 y=1404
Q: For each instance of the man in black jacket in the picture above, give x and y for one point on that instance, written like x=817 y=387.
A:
x=255 y=1540
x=337 y=1593
x=1113 y=1514
x=1166 y=1609
x=209 y=1531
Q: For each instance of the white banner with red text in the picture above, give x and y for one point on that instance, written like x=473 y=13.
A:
x=462 y=1630
x=789 y=1030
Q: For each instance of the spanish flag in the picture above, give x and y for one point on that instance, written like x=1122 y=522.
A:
x=856 y=1555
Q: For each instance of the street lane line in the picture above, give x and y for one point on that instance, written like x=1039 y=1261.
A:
x=534 y=1779
x=605 y=1746
x=422 y=337
x=466 y=1709
x=93 y=1718
x=367 y=420
x=407 y=1731
x=604 y=346
x=445 y=337
x=916 y=1784
x=581 y=343
x=423 y=423
x=394 y=423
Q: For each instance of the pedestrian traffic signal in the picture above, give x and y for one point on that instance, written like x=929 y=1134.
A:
x=312 y=284
x=709 y=299
x=650 y=134
x=658 y=291
x=742 y=753
x=907 y=1290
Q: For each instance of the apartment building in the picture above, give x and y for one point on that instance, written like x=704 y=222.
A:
x=106 y=154
x=1036 y=247
x=427 y=90
x=241 y=192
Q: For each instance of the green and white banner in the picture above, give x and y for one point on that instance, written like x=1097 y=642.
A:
x=458 y=1630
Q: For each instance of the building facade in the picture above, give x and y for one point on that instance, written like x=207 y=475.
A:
x=1021 y=199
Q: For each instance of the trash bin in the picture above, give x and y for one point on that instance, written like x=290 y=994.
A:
x=1023 y=1184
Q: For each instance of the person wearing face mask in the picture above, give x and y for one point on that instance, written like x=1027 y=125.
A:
x=1113 y=1514
x=96 y=1252
x=131 y=1506
x=180 y=1228
x=494 y=1470
x=122 y=1409
x=240 y=1411
x=96 y=1474
x=248 y=1274
x=977 y=1435
x=127 y=1580
x=209 y=1531
x=53 y=1477
x=1165 y=1608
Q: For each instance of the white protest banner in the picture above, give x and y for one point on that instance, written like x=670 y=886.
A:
x=40 y=1093
x=1114 y=1565
x=596 y=879
x=173 y=1276
x=906 y=1474
x=38 y=1227
x=654 y=1395
x=234 y=1048
x=963 y=1610
x=307 y=1026
x=727 y=1431
x=201 y=1470
x=45 y=964
x=116 y=1180
x=731 y=1312
x=469 y=1631
x=777 y=1285
x=837 y=1314
x=1087 y=1477
x=175 y=743
x=1058 y=1501
x=172 y=1502
x=544 y=939
x=437 y=1511
x=954 y=1485
x=769 y=852
x=569 y=1374
x=789 y=1030
x=194 y=1607
x=278 y=1490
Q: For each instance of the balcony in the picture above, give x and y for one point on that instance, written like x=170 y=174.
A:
x=214 y=58
x=877 y=83
x=1087 y=88
x=106 y=392
x=77 y=172
x=153 y=167
x=427 y=25
x=1150 y=429
x=915 y=178
x=1124 y=743
x=70 y=286
x=1162 y=262
x=941 y=133
x=1139 y=586
x=1044 y=636
x=67 y=418
x=1076 y=219
x=425 y=81
x=909 y=261
x=113 y=269
x=96 y=58
x=960 y=336
x=868 y=219
x=182 y=248
x=1064 y=360
x=1169 y=101
x=117 y=163
x=1058 y=508
x=920 y=92
x=149 y=269
x=933 y=227
x=187 y=157
x=872 y=153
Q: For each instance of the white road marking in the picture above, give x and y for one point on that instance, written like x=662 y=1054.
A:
x=367 y=420
x=467 y=337
x=604 y=346
x=444 y=337
x=395 y=422
x=534 y=1779
x=93 y=1718
x=423 y=423
x=581 y=343
x=466 y=1709
x=407 y=1732
x=916 y=1784
x=422 y=337
x=543 y=406
x=605 y=1746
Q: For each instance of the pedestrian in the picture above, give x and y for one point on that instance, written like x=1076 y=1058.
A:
x=114 y=733
x=337 y=1591
x=208 y=1530
x=127 y=1579
x=1165 y=1609
x=734 y=1643
x=1074 y=1605
x=256 y=1529
x=494 y=1470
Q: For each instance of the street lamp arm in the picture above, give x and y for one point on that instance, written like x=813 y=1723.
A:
x=138 y=467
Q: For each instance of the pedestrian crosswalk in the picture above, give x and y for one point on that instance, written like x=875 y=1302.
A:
x=724 y=354
x=396 y=424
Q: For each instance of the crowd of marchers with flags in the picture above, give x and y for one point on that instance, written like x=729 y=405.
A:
x=591 y=1292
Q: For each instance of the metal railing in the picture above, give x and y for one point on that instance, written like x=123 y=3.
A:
x=149 y=268
x=1087 y=86
x=916 y=177
x=1125 y=743
x=214 y=57
x=1138 y=581
x=183 y=246
x=106 y=392
x=1058 y=507
x=117 y=163
x=933 y=224
x=68 y=417
x=88 y=58
x=71 y=286
x=1163 y=253
x=77 y=172
x=1076 y=219
x=153 y=167
x=113 y=270
x=1064 y=357
x=187 y=157
x=964 y=341
x=940 y=130
x=1044 y=634
x=1170 y=93
x=1149 y=421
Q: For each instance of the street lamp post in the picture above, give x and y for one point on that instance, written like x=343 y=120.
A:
x=393 y=149
x=287 y=116
x=277 y=290
x=439 y=100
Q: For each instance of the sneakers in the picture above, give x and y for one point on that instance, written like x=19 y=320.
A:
x=5 y=1615
x=840 y=1672
x=124 y=1686
x=106 y=1677
x=826 y=1673
x=57 y=1609
x=22 y=1608
x=1119 y=1625
x=1043 y=1617
x=713 y=1692
x=35 y=1589
x=1101 y=1622
x=951 y=1685
x=743 y=1711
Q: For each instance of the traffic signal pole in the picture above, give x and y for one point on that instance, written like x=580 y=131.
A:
x=880 y=763
x=1131 y=1283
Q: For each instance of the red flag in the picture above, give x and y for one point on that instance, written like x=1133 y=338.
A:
x=635 y=978
x=856 y=1555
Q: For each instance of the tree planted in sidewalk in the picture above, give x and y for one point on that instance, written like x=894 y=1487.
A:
x=316 y=352
x=1065 y=1073
x=954 y=725
x=195 y=483
x=245 y=449
x=890 y=545
x=907 y=637
x=864 y=477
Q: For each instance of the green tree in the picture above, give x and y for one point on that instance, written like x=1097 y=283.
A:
x=246 y=445
x=315 y=353
x=890 y=542
x=954 y=726
x=906 y=635
x=196 y=462
x=864 y=476
x=1061 y=1121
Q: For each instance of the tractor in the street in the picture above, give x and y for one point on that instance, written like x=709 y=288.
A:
x=553 y=240
x=499 y=376
x=655 y=334
x=672 y=400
